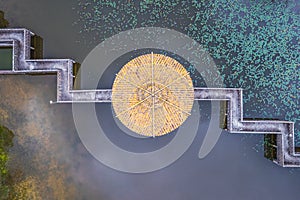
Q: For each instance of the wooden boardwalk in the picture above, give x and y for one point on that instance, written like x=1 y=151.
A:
x=282 y=132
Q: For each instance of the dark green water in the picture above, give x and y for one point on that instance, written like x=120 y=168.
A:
x=6 y=58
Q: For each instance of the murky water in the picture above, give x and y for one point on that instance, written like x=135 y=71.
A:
x=49 y=160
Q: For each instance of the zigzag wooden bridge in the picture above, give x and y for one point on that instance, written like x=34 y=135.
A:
x=279 y=135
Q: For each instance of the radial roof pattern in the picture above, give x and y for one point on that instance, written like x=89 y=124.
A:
x=152 y=94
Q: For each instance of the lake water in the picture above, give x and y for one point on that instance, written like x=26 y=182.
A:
x=48 y=156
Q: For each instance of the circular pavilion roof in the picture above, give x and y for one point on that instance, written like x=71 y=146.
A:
x=152 y=94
